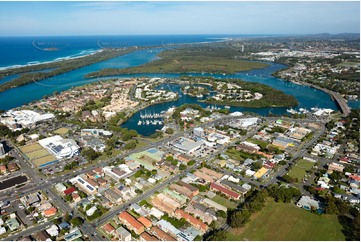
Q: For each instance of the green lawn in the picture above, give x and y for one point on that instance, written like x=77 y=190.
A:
x=224 y=201
x=280 y=221
x=300 y=168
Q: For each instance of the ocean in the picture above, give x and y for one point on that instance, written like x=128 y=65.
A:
x=19 y=51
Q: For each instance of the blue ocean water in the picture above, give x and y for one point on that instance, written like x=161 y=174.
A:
x=16 y=51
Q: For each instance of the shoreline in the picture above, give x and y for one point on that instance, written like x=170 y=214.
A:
x=32 y=63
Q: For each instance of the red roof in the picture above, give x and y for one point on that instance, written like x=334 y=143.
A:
x=131 y=220
x=108 y=228
x=69 y=191
x=225 y=190
x=355 y=177
x=192 y=220
x=319 y=188
x=145 y=222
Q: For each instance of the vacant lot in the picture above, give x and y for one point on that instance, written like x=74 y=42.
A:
x=300 y=168
x=224 y=202
x=279 y=221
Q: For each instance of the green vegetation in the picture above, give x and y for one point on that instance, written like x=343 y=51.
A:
x=300 y=169
x=216 y=58
x=28 y=76
x=178 y=223
x=224 y=202
x=280 y=221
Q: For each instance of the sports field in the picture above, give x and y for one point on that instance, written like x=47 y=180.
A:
x=37 y=154
x=300 y=168
x=61 y=131
x=280 y=221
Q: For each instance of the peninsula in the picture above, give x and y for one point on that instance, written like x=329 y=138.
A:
x=209 y=58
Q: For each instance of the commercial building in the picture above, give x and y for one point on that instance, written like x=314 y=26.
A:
x=17 y=120
x=187 y=146
x=59 y=147
x=308 y=203
x=261 y=173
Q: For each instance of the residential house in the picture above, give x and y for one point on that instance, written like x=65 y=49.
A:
x=225 y=191
x=131 y=223
x=160 y=234
x=123 y=234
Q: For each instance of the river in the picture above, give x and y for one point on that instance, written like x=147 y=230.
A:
x=307 y=97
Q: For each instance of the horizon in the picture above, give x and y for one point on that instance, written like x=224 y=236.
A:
x=180 y=34
x=99 y=18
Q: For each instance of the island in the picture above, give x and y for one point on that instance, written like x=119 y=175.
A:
x=236 y=92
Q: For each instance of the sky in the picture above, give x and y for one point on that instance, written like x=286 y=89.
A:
x=206 y=17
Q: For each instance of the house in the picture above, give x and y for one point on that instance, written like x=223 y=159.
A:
x=2 y=169
x=336 y=167
x=145 y=222
x=179 y=213
x=69 y=191
x=2 y=230
x=131 y=223
x=308 y=203
x=42 y=236
x=13 y=224
x=50 y=212
x=73 y=235
x=147 y=237
x=64 y=225
x=184 y=158
x=261 y=173
x=123 y=234
x=108 y=228
x=160 y=234
x=53 y=231
x=76 y=197
x=234 y=187
x=225 y=191
x=194 y=190
x=12 y=167
x=113 y=196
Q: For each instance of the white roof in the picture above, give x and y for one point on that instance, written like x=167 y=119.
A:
x=53 y=230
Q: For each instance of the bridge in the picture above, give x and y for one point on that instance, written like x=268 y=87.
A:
x=342 y=103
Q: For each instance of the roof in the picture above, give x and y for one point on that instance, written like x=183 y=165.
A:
x=147 y=237
x=131 y=220
x=123 y=232
x=192 y=220
x=145 y=222
x=108 y=228
x=190 y=187
x=50 y=212
x=160 y=234
x=69 y=191
x=225 y=190
x=261 y=172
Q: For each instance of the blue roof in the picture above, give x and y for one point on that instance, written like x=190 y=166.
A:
x=64 y=225
x=152 y=150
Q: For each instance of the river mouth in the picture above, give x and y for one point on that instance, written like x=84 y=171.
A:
x=13 y=182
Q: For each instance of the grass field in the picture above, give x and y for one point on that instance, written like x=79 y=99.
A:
x=224 y=202
x=279 y=221
x=43 y=160
x=300 y=168
x=29 y=148
x=61 y=131
x=36 y=154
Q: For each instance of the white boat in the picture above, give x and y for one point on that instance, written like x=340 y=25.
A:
x=227 y=107
x=199 y=96
x=139 y=122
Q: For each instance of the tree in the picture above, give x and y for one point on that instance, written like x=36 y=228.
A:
x=191 y=163
x=239 y=218
x=76 y=221
x=169 y=131
x=182 y=167
x=131 y=145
